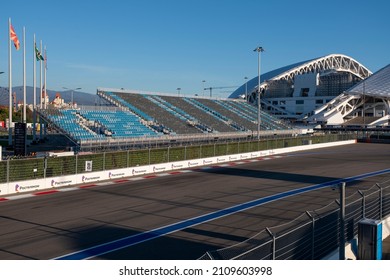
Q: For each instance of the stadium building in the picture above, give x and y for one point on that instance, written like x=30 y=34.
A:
x=293 y=91
x=367 y=103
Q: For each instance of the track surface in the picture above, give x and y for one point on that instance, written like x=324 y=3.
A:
x=45 y=227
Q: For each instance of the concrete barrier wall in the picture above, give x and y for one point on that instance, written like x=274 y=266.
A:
x=92 y=177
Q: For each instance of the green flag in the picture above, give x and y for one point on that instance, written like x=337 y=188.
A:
x=38 y=54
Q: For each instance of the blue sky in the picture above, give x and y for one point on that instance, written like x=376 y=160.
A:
x=162 y=45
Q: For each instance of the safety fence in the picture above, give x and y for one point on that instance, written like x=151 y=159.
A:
x=12 y=170
x=314 y=234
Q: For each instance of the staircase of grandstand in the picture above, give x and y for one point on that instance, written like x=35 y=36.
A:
x=179 y=113
x=226 y=109
x=268 y=122
x=215 y=124
x=160 y=115
x=116 y=123
x=118 y=101
x=97 y=123
x=70 y=123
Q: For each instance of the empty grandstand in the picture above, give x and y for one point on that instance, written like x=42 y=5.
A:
x=293 y=91
x=94 y=124
x=136 y=116
x=188 y=115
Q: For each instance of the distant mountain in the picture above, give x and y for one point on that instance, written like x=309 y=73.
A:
x=81 y=98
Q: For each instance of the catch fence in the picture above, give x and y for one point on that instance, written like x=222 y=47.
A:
x=12 y=170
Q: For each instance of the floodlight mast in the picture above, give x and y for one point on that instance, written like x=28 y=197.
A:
x=259 y=50
x=72 y=90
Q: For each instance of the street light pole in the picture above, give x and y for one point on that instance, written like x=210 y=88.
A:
x=178 y=91
x=246 y=89
x=203 y=87
x=71 y=92
x=259 y=50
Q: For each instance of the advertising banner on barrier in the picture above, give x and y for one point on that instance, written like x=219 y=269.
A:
x=264 y=153
x=160 y=167
x=3 y=189
x=26 y=186
x=119 y=173
x=223 y=159
x=255 y=154
x=178 y=165
x=141 y=170
x=233 y=157
x=245 y=156
x=92 y=177
x=194 y=162
x=57 y=182
x=207 y=161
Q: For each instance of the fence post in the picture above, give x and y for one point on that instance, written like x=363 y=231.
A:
x=104 y=160
x=77 y=156
x=363 y=203
x=273 y=242
x=341 y=203
x=7 y=170
x=44 y=166
x=149 y=155
x=127 y=159
x=168 y=153
x=342 y=222
x=185 y=152
x=312 y=234
x=380 y=200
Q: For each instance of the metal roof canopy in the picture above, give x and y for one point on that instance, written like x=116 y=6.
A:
x=377 y=85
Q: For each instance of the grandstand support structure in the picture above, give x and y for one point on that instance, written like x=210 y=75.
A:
x=345 y=107
x=336 y=110
x=366 y=103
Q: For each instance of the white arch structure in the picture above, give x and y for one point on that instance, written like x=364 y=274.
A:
x=332 y=63
x=335 y=62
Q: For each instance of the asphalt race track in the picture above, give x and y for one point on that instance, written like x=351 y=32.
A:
x=51 y=226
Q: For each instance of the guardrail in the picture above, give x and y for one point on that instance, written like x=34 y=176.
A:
x=314 y=234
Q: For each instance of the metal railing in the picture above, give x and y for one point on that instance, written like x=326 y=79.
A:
x=314 y=234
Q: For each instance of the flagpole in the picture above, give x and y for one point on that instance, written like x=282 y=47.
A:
x=40 y=94
x=24 y=75
x=45 y=93
x=9 y=84
x=45 y=85
x=34 y=92
x=40 y=76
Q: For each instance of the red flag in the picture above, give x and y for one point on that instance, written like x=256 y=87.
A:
x=14 y=38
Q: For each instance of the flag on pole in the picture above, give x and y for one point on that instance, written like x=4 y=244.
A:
x=14 y=38
x=38 y=54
